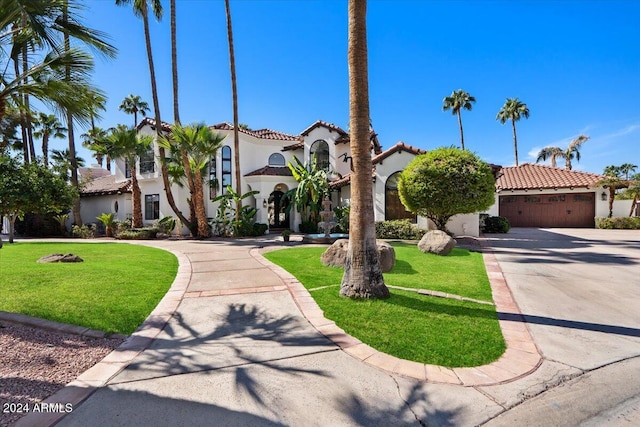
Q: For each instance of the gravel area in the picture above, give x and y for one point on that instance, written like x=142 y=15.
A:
x=35 y=363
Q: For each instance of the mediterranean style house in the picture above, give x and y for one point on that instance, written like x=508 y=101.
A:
x=264 y=155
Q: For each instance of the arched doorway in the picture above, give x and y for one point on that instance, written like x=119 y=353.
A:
x=278 y=212
x=394 y=209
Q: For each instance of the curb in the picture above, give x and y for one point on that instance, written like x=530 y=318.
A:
x=520 y=359
x=64 y=328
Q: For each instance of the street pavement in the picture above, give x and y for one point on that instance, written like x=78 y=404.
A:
x=230 y=346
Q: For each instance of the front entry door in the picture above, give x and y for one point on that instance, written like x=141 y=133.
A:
x=278 y=215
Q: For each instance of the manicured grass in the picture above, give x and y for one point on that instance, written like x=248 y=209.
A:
x=424 y=329
x=113 y=290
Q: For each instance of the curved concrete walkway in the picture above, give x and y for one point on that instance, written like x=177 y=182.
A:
x=238 y=341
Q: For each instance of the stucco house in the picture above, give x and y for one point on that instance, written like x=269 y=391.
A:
x=264 y=155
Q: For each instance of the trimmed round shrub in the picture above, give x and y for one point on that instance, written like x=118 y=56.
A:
x=399 y=229
x=496 y=224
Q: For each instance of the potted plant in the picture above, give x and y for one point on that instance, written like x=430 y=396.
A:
x=286 y=234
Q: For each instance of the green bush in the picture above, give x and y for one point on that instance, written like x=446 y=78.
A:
x=166 y=224
x=259 y=228
x=496 y=224
x=342 y=218
x=120 y=226
x=308 y=227
x=624 y=222
x=138 y=234
x=84 y=232
x=399 y=229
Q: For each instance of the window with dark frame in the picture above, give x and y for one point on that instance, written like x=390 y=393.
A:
x=213 y=179
x=151 y=206
x=320 y=149
x=148 y=162
x=127 y=169
x=276 y=159
x=226 y=168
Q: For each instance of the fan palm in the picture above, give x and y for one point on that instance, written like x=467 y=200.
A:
x=94 y=139
x=362 y=273
x=133 y=104
x=572 y=151
x=200 y=144
x=234 y=94
x=125 y=143
x=61 y=162
x=458 y=100
x=46 y=126
x=513 y=109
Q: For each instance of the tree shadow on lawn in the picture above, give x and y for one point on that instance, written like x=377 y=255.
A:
x=430 y=305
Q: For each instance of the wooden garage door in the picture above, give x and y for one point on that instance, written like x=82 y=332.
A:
x=549 y=210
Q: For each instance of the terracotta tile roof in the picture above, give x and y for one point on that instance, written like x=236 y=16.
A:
x=87 y=174
x=375 y=144
x=258 y=133
x=346 y=180
x=400 y=146
x=271 y=171
x=296 y=146
x=532 y=176
x=320 y=123
x=152 y=122
x=105 y=185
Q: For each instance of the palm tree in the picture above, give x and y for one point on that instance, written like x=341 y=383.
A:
x=458 y=100
x=200 y=144
x=626 y=169
x=613 y=180
x=362 y=273
x=141 y=10
x=125 y=143
x=513 y=109
x=61 y=162
x=234 y=94
x=133 y=104
x=174 y=64
x=572 y=150
x=94 y=139
x=46 y=126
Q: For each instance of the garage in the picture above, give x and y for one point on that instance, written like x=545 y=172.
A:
x=571 y=210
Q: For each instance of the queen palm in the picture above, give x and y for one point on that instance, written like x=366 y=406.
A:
x=572 y=151
x=199 y=144
x=46 y=126
x=61 y=162
x=125 y=143
x=133 y=104
x=141 y=10
x=362 y=273
x=457 y=101
x=513 y=109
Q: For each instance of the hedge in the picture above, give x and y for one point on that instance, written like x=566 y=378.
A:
x=624 y=222
x=399 y=229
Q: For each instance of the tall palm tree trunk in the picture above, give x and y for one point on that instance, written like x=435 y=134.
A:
x=75 y=182
x=23 y=120
x=45 y=150
x=174 y=64
x=198 y=201
x=362 y=274
x=27 y=107
x=234 y=94
x=136 y=196
x=156 y=108
x=461 y=132
x=515 y=139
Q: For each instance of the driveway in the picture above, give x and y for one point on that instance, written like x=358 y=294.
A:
x=579 y=291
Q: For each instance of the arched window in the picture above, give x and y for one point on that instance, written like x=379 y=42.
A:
x=226 y=168
x=213 y=178
x=320 y=149
x=394 y=209
x=276 y=159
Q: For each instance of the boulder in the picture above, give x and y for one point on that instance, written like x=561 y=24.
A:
x=437 y=242
x=60 y=258
x=336 y=255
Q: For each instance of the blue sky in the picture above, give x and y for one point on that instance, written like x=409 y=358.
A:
x=576 y=64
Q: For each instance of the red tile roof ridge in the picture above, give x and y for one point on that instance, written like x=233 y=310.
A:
x=264 y=133
x=319 y=123
x=399 y=146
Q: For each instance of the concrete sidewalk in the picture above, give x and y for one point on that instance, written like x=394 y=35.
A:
x=237 y=341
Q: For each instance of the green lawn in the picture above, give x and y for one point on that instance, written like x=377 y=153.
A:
x=113 y=290
x=415 y=327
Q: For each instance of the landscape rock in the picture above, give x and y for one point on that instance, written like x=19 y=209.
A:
x=437 y=242
x=336 y=255
x=60 y=258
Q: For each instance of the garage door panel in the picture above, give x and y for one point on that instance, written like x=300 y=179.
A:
x=549 y=210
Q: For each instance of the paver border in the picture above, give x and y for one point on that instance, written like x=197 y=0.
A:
x=521 y=358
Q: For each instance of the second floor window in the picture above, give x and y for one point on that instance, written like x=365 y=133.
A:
x=226 y=168
x=320 y=149
x=127 y=169
x=148 y=162
x=213 y=178
x=276 y=159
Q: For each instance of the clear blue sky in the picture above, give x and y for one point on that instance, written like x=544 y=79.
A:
x=576 y=64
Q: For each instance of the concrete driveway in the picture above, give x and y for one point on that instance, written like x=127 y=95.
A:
x=579 y=291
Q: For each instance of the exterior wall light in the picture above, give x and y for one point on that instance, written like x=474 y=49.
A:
x=603 y=196
x=264 y=203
